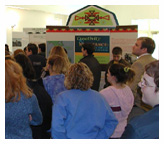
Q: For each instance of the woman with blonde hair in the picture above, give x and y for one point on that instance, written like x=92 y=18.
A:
x=54 y=84
x=21 y=105
x=79 y=112
x=56 y=50
x=59 y=50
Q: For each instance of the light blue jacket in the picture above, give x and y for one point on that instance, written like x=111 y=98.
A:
x=82 y=115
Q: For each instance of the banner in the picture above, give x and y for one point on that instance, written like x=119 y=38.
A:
x=101 y=43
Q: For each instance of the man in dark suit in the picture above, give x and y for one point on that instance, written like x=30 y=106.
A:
x=38 y=61
x=92 y=63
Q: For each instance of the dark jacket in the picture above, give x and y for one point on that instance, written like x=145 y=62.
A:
x=145 y=126
x=38 y=63
x=45 y=104
x=95 y=68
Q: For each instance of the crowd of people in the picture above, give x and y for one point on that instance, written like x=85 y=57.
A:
x=50 y=98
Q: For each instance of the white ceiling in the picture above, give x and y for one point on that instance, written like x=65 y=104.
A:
x=55 y=9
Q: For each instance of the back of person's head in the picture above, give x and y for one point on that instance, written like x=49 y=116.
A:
x=89 y=47
x=26 y=65
x=147 y=43
x=59 y=50
x=18 y=51
x=32 y=47
x=152 y=69
x=79 y=77
x=42 y=47
x=122 y=73
x=6 y=47
x=58 y=64
x=117 y=51
x=15 y=82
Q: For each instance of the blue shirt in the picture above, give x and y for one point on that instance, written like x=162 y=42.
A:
x=145 y=126
x=82 y=115
x=54 y=85
x=17 y=123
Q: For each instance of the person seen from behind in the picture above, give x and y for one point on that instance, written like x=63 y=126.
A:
x=21 y=105
x=54 y=83
x=117 y=58
x=80 y=112
x=119 y=96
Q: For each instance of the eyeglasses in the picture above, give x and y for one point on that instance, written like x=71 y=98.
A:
x=144 y=83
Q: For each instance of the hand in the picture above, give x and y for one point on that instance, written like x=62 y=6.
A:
x=30 y=117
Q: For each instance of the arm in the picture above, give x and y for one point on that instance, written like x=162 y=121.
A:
x=58 y=130
x=36 y=114
x=139 y=70
x=110 y=122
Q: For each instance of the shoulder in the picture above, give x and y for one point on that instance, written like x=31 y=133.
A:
x=146 y=119
x=142 y=61
x=123 y=61
x=84 y=59
x=106 y=90
x=47 y=78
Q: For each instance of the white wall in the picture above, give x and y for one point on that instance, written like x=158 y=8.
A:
x=20 y=19
x=126 y=13
x=36 y=19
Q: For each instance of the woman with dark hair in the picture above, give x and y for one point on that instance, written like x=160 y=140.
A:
x=119 y=96
x=44 y=100
x=56 y=50
x=21 y=105
x=79 y=112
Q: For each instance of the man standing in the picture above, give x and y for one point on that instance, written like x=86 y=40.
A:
x=117 y=58
x=92 y=63
x=38 y=61
x=41 y=49
x=143 y=48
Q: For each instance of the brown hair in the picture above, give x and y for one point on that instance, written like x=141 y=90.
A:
x=58 y=64
x=147 y=43
x=59 y=50
x=152 y=69
x=79 y=77
x=15 y=82
x=122 y=73
x=18 y=51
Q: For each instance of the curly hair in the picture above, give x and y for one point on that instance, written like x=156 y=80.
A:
x=15 y=82
x=79 y=77
x=122 y=73
x=152 y=69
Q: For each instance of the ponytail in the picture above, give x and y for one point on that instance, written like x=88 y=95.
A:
x=123 y=73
